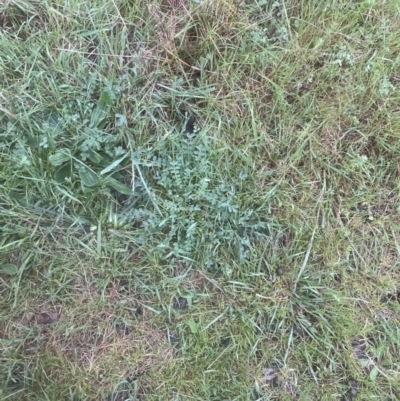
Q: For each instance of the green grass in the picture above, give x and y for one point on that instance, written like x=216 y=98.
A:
x=255 y=259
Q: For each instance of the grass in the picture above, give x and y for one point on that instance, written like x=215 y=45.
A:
x=199 y=200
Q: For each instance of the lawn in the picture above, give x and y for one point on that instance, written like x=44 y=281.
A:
x=199 y=200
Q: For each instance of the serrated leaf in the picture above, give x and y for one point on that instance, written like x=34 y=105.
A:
x=59 y=158
x=63 y=172
x=193 y=326
x=113 y=165
x=119 y=186
x=88 y=177
x=9 y=268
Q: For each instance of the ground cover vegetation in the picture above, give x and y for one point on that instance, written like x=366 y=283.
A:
x=199 y=200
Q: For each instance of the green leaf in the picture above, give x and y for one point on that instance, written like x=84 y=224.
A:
x=94 y=157
x=105 y=159
x=63 y=172
x=88 y=177
x=121 y=120
x=193 y=326
x=119 y=186
x=9 y=269
x=113 y=165
x=53 y=119
x=374 y=373
x=60 y=157
x=34 y=142
x=102 y=110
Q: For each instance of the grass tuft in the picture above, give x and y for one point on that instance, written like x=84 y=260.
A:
x=199 y=200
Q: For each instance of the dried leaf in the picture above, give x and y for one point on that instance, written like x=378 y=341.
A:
x=30 y=316
x=269 y=374
x=47 y=318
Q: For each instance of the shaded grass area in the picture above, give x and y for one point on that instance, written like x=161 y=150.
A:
x=199 y=200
